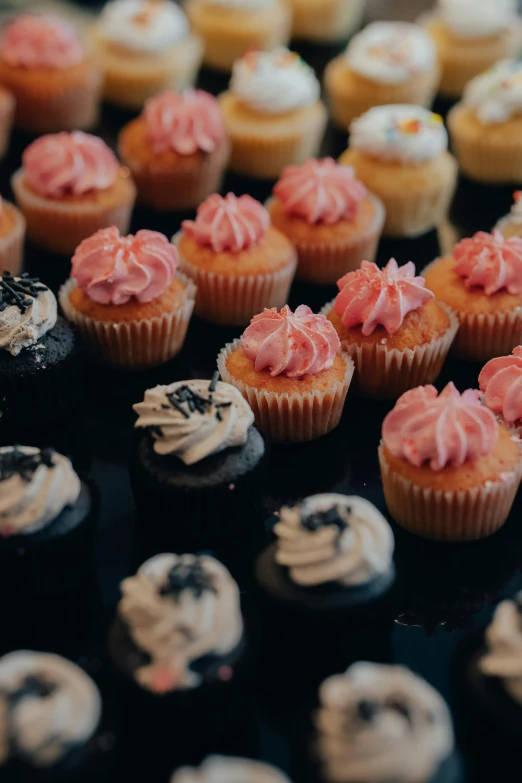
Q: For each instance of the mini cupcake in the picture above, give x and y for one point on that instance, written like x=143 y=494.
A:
x=70 y=185
x=126 y=299
x=7 y=108
x=177 y=150
x=239 y=262
x=511 y=225
x=273 y=114
x=231 y=770
x=229 y=28
x=326 y=23
x=485 y=127
x=12 y=233
x=386 y=63
x=396 y=332
x=290 y=369
x=482 y=282
x=501 y=383
x=143 y=47
x=55 y=83
x=330 y=218
x=401 y=155
x=450 y=471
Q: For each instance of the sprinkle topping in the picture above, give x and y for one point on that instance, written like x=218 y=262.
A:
x=19 y=291
x=320 y=519
x=187 y=576
x=16 y=463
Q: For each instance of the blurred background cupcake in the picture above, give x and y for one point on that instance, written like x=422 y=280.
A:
x=500 y=380
x=233 y=770
x=325 y=23
x=511 y=224
x=12 y=234
x=7 y=109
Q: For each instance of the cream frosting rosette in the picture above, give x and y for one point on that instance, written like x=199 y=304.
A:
x=503 y=657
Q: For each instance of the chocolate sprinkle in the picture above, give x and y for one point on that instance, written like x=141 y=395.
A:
x=367 y=710
x=188 y=401
x=19 y=293
x=15 y=462
x=214 y=381
x=320 y=519
x=32 y=686
x=187 y=576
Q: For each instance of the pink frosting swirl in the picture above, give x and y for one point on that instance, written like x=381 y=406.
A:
x=501 y=382
x=40 y=42
x=442 y=429
x=184 y=122
x=320 y=191
x=293 y=344
x=371 y=296
x=490 y=262
x=229 y=223
x=62 y=164
x=112 y=269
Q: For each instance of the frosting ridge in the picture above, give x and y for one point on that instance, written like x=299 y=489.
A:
x=496 y=95
x=501 y=382
x=391 y=52
x=503 y=658
x=184 y=122
x=143 y=26
x=37 y=41
x=221 y=769
x=28 y=311
x=231 y=223
x=490 y=262
x=477 y=18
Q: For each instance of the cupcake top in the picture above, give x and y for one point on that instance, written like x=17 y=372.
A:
x=28 y=310
x=503 y=638
x=333 y=538
x=496 y=95
x=32 y=41
x=391 y=52
x=178 y=609
x=477 y=18
x=69 y=164
x=515 y=213
x=490 y=262
x=194 y=419
x=501 y=382
x=437 y=430
x=185 y=122
x=320 y=191
x=371 y=297
x=379 y=722
x=229 y=224
x=274 y=82
x=112 y=269
x=406 y=134
x=48 y=707
x=143 y=26
x=290 y=343
x=221 y=769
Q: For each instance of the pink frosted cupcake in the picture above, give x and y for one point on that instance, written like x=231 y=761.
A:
x=501 y=383
x=70 y=185
x=12 y=232
x=330 y=218
x=7 y=108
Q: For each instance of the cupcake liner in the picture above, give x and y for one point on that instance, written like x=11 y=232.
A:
x=449 y=516
x=291 y=417
x=326 y=22
x=384 y=373
x=7 y=110
x=136 y=344
x=12 y=245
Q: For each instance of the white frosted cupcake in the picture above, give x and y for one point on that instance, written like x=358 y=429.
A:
x=326 y=22
x=511 y=224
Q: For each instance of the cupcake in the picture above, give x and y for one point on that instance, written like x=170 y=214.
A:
x=386 y=63
x=396 y=332
x=485 y=127
x=177 y=150
x=55 y=83
x=70 y=185
x=126 y=298
x=289 y=367
x=511 y=225
x=501 y=383
x=273 y=114
x=143 y=47
x=198 y=463
x=231 y=770
x=12 y=233
x=239 y=262
x=470 y=36
x=326 y=23
x=7 y=107
x=482 y=282
x=401 y=155
x=450 y=471
x=330 y=218
x=229 y=28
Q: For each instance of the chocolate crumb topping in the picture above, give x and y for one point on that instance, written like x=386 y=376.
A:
x=16 y=462
x=19 y=292
x=320 y=519
x=187 y=576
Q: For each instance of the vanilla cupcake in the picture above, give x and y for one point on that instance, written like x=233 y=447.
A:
x=326 y=22
x=387 y=62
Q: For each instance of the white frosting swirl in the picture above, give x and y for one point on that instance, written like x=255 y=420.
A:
x=334 y=538
x=222 y=769
x=194 y=435
x=47 y=705
x=20 y=329
x=408 y=134
x=274 y=82
x=496 y=95
x=35 y=487
x=177 y=609
x=378 y=723
x=477 y=18
x=391 y=52
x=504 y=647
x=146 y=26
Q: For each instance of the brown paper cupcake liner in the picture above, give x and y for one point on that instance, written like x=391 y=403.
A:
x=291 y=418
x=449 y=516
x=7 y=110
x=383 y=373
x=133 y=345
x=12 y=245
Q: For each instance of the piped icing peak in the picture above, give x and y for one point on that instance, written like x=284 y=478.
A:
x=496 y=95
x=112 y=269
x=490 y=262
x=232 y=223
x=143 y=26
x=477 y=18
x=371 y=297
x=35 y=41
x=222 y=769
x=28 y=310
x=503 y=639
x=185 y=122
x=440 y=429
x=290 y=343
x=62 y=164
x=501 y=382
x=320 y=191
